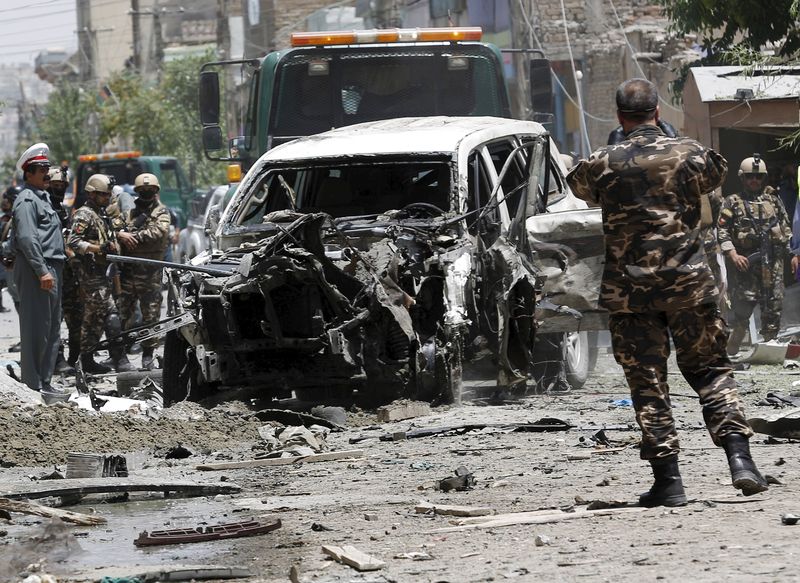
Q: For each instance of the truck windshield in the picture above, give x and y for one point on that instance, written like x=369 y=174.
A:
x=350 y=189
x=319 y=89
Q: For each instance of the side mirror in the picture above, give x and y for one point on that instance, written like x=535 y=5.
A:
x=541 y=86
x=212 y=138
x=212 y=222
x=209 y=98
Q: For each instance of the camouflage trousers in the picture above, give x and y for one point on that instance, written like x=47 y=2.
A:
x=142 y=283
x=98 y=305
x=71 y=305
x=747 y=292
x=641 y=346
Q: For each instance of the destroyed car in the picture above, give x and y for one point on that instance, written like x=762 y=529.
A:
x=386 y=256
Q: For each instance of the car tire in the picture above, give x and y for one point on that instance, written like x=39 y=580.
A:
x=577 y=358
x=182 y=379
x=449 y=372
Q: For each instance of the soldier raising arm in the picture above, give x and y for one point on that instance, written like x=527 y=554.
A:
x=657 y=284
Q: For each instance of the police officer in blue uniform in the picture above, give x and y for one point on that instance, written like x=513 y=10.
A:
x=39 y=246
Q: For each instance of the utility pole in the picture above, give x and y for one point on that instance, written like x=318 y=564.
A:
x=85 y=44
x=137 y=36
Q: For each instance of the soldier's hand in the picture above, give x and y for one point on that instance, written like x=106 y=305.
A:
x=795 y=264
x=128 y=240
x=47 y=281
x=740 y=261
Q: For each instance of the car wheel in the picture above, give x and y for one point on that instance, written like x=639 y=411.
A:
x=182 y=378
x=449 y=372
x=577 y=357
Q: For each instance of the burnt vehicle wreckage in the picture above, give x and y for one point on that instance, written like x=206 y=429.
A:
x=324 y=281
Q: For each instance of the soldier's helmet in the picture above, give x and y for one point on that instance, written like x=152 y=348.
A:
x=752 y=165
x=98 y=183
x=147 y=181
x=59 y=174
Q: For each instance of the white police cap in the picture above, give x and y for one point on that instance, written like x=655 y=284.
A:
x=36 y=154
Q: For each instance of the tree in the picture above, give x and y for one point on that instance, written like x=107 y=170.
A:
x=725 y=26
x=157 y=118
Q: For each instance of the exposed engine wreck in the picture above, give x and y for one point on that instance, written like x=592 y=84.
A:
x=319 y=304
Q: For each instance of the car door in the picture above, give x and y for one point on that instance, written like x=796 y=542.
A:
x=567 y=241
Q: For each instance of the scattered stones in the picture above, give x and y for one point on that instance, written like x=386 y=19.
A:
x=541 y=540
x=789 y=519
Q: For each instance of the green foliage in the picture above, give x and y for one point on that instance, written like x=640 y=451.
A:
x=159 y=118
x=724 y=24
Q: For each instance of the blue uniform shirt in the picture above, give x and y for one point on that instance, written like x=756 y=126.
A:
x=37 y=229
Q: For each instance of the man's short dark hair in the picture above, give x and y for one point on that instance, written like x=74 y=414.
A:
x=637 y=100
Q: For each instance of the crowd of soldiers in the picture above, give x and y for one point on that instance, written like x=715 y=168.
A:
x=57 y=264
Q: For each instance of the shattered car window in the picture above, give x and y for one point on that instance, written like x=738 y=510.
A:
x=350 y=189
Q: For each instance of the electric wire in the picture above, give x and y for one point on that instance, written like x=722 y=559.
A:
x=633 y=56
x=587 y=143
x=556 y=78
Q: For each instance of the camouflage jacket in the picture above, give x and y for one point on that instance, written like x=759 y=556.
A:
x=649 y=188
x=745 y=218
x=150 y=225
x=89 y=227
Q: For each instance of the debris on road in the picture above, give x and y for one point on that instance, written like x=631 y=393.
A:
x=92 y=465
x=534 y=517
x=282 y=461
x=403 y=409
x=288 y=417
x=175 y=536
x=543 y=425
x=785 y=424
x=766 y=353
x=22 y=507
x=293 y=441
x=789 y=519
x=463 y=480
x=541 y=540
x=351 y=556
x=163 y=573
x=83 y=487
x=424 y=507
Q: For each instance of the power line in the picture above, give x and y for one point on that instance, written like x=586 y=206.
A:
x=633 y=56
x=578 y=92
x=35 y=5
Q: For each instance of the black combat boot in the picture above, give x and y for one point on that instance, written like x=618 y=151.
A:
x=117 y=352
x=744 y=474
x=74 y=349
x=90 y=366
x=667 y=489
x=62 y=366
x=147 y=358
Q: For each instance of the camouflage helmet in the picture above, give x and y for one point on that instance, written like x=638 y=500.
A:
x=98 y=183
x=146 y=179
x=59 y=174
x=752 y=165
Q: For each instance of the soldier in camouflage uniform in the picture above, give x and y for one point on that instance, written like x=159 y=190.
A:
x=71 y=308
x=754 y=231
x=657 y=283
x=91 y=238
x=148 y=223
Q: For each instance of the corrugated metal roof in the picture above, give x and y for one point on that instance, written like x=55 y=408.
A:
x=721 y=83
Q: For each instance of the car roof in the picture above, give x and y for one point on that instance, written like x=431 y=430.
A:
x=422 y=135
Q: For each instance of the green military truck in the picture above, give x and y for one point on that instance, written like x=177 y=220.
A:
x=176 y=189
x=334 y=79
